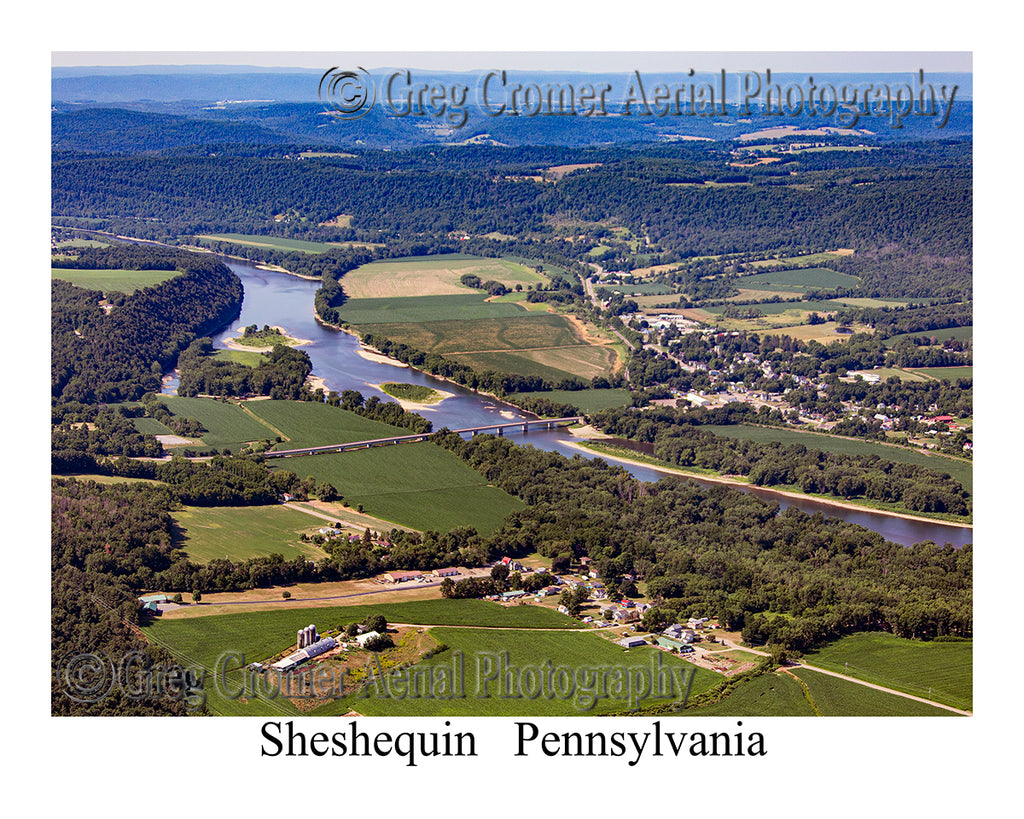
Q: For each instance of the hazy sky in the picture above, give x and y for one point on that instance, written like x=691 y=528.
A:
x=793 y=61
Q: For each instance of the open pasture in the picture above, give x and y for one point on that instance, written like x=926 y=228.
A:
x=307 y=423
x=433 y=276
x=964 y=334
x=227 y=424
x=944 y=373
x=798 y=280
x=936 y=670
x=271 y=242
x=399 y=310
x=113 y=281
x=417 y=485
x=240 y=532
x=521 y=332
x=529 y=649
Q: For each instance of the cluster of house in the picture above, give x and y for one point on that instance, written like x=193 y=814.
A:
x=676 y=637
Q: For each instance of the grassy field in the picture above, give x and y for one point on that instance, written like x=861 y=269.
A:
x=959 y=333
x=479 y=647
x=113 y=281
x=796 y=310
x=305 y=423
x=273 y=242
x=519 y=332
x=257 y=636
x=228 y=424
x=945 y=373
x=911 y=666
x=417 y=485
x=249 y=358
x=241 y=532
x=433 y=276
x=150 y=426
x=961 y=470
x=586 y=400
x=781 y=695
x=396 y=310
x=799 y=280
x=645 y=289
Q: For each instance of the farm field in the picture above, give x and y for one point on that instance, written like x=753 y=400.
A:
x=273 y=242
x=965 y=334
x=240 y=532
x=397 y=309
x=433 y=276
x=519 y=332
x=543 y=345
x=799 y=280
x=797 y=309
x=903 y=375
x=961 y=470
x=150 y=426
x=944 y=373
x=767 y=695
x=228 y=424
x=417 y=485
x=306 y=423
x=249 y=358
x=525 y=649
x=113 y=281
x=841 y=698
x=200 y=641
x=811 y=258
x=586 y=400
x=645 y=289
x=906 y=665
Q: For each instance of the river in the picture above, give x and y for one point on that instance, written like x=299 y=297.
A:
x=287 y=301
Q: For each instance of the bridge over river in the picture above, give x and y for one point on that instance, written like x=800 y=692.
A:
x=497 y=429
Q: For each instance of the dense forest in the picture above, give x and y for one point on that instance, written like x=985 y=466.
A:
x=107 y=355
x=908 y=220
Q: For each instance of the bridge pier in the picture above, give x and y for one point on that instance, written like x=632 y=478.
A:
x=499 y=432
x=526 y=427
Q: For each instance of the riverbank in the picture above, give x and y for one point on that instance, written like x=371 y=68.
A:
x=416 y=406
x=761 y=489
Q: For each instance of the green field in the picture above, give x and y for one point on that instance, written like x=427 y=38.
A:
x=645 y=289
x=525 y=650
x=798 y=310
x=586 y=400
x=200 y=641
x=417 y=485
x=433 y=276
x=228 y=424
x=308 y=424
x=113 y=281
x=961 y=470
x=249 y=358
x=240 y=532
x=945 y=373
x=798 y=280
x=150 y=426
x=911 y=666
x=779 y=695
x=396 y=309
x=519 y=332
x=273 y=242
x=965 y=334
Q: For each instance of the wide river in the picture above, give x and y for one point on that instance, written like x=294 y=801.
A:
x=287 y=301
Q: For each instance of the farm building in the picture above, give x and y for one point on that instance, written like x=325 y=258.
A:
x=512 y=595
x=309 y=652
x=632 y=642
x=363 y=639
x=401 y=577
